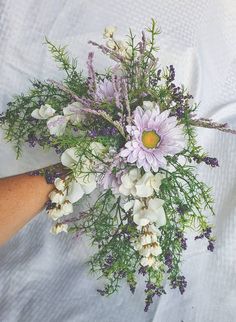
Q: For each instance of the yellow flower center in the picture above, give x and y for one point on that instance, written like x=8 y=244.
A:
x=150 y=139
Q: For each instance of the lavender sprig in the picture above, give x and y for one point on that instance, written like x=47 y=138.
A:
x=209 y=124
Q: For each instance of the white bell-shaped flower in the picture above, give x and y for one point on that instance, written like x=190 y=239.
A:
x=57 y=197
x=129 y=180
x=70 y=158
x=149 y=183
x=73 y=113
x=97 y=148
x=44 y=112
x=57 y=125
x=147 y=261
x=58 y=228
x=67 y=208
x=55 y=213
x=149 y=213
x=59 y=184
x=109 y=31
x=82 y=185
x=128 y=205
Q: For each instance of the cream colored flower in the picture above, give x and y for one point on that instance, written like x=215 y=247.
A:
x=57 y=197
x=148 y=105
x=70 y=158
x=81 y=185
x=44 y=112
x=61 y=210
x=97 y=148
x=109 y=31
x=67 y=208
x=151 y=212
x=57 y=125
x=59 y=184
x=85 y=181
x=112 y=44
x=58 y=228
x=148 y=261
x=152 y=249
x=128 y=184
x=73 y=113
x=55 y=213
x=128 y=205
x=149 y=183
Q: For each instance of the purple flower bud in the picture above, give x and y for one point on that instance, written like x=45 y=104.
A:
x=101 y=292
x=168 y=260
x=210 y=246
x=132 y=289
x=32 y=140
x=142 y=270
x=213 y=162
x=179 y=112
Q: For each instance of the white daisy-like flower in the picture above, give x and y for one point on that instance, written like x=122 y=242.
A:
x=44 y=112
x=58 y=228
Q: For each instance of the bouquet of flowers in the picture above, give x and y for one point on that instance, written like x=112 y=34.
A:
x=129 y=134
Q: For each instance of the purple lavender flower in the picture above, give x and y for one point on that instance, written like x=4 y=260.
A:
x=132 y=288
x=210 y=246
x=171 y=76
x=169 y=261
x=32 y=140
x=107 y=131
x=143 y=270
x=105 y=91
x=91 y=74
x=182 y=239
x=213 y=162
x=183 y=242
x=207 y=233
x=179 y=282
x=101 y=292
x=34 y=173
x=179 y=112
x=50 y=205
x=152 y=290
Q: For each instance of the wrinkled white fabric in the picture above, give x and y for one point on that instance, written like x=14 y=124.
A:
x=45 y=277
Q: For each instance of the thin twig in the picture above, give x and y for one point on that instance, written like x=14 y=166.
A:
x=209 y=124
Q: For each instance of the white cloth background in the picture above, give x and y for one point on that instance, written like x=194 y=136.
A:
x=45 y=278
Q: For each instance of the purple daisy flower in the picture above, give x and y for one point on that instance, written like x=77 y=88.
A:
x=153 y=136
